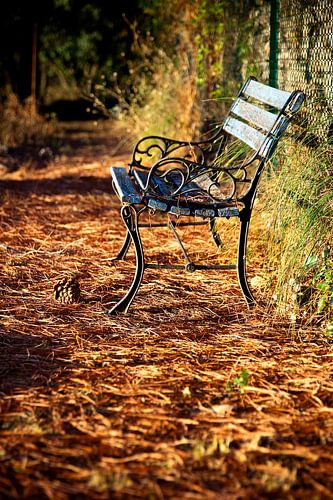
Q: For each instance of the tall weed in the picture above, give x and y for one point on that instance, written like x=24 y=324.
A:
x=165 y=101
x=299 y=203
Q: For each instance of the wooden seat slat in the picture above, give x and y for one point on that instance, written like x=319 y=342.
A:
x=257 y=116
x=125 y=188
x=268 y=95
x=244 y=132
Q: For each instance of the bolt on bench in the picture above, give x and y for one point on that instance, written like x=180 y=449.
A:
x=191 y=180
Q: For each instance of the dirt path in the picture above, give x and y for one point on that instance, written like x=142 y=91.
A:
x=188 y=396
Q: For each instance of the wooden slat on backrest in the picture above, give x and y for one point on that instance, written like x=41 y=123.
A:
x=259 y=117
x=244 y=132
x=264 y=93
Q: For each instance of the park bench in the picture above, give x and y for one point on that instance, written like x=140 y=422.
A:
x=202 y=180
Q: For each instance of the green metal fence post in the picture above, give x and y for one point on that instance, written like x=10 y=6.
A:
x=274 y=44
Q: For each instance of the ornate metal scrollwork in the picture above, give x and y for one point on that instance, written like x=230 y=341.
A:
x=150 y=149
x=189 y=170
x=186 y=179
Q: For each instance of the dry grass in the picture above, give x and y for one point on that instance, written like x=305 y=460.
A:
x=145 y=405
x=165 y=96
x=20 y=124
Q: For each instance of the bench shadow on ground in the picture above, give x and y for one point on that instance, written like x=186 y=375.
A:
x=67 y=184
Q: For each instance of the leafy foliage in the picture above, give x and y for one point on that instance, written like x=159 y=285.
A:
x=239 y=383
x=78 y=42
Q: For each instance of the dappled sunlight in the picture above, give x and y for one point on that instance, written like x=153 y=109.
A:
x=187 y=394
x=190 y=394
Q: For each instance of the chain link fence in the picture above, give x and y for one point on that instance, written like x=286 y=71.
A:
x=306 y=58
x=301 y=56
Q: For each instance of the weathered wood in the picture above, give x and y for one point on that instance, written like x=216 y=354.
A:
x=124 y=187
x=273 y=97
x=205 y=212
x=259 y=117
x=157 y=205
x=177 y=210
x=228 y=212
x=245 y=133
x=161 y=187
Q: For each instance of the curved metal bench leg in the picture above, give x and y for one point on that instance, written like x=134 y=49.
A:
x=124 y=248
x=126 y=243
x=214 y=233
x=241 y=258
x=130 y=218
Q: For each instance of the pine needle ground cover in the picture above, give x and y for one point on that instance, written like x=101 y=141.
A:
x=190 y=395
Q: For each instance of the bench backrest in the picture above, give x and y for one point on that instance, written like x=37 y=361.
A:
x=260 y=115
x=258 y=118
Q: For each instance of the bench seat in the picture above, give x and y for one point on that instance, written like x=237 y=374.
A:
x=131 y=189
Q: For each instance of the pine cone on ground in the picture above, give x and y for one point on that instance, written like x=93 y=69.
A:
x=67 y=290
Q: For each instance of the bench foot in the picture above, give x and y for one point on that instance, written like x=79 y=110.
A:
x=130 y=218
x=241 y=261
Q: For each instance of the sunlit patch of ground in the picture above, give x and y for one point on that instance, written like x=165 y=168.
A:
x=190 y=395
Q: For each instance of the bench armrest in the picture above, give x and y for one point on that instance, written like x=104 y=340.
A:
x=180 y=176
x=150 y=149
x=174 y=176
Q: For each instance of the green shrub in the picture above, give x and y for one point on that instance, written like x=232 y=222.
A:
x=299 y=202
